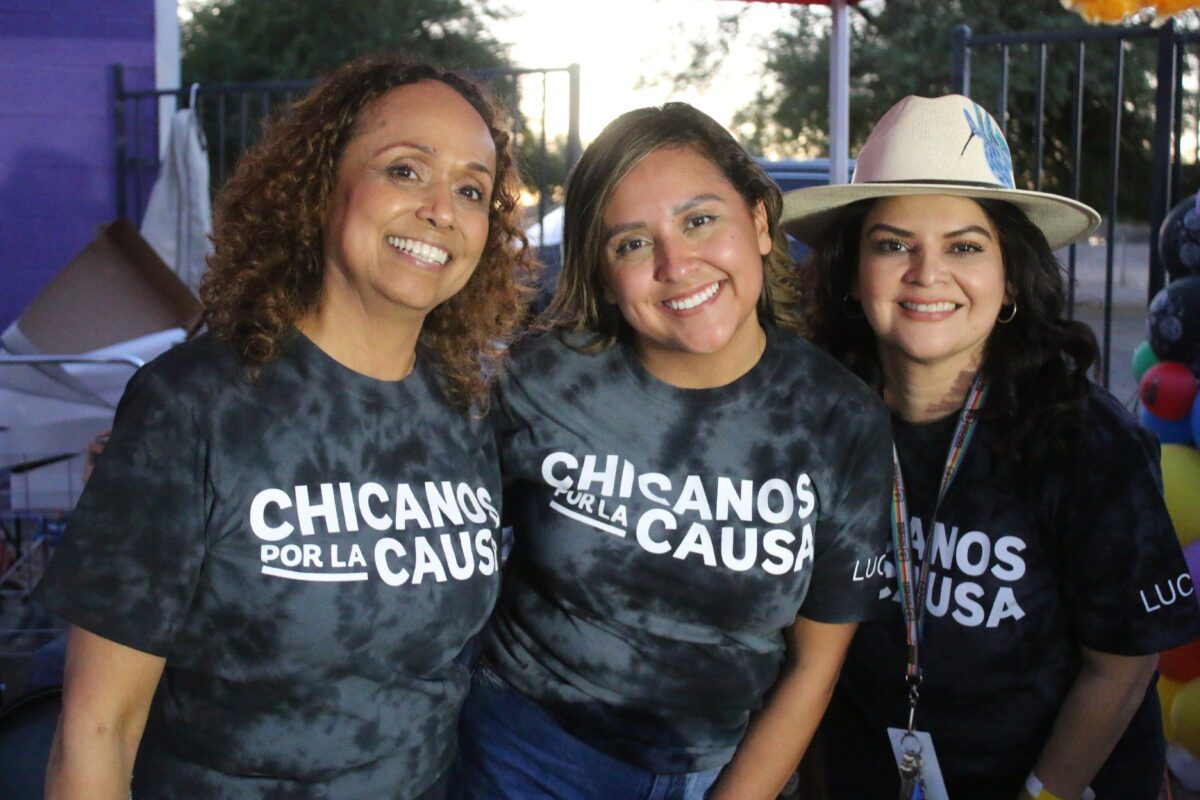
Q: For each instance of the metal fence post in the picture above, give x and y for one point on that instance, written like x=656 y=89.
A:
x=1114 y=175
x=1164 y=119
x=118 y=83
x=1077 y=91
x=574 y=143
x=960 y=65
x=1177 y=117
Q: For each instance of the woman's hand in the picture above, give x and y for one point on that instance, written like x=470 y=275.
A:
x=107 y=689
x=780 y=733
x=94 y=449
x=1104 y=697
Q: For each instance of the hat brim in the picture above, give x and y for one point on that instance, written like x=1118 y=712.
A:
x=808 y=212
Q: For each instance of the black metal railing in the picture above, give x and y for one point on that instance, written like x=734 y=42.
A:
x=232 y=115
x=1108 y=48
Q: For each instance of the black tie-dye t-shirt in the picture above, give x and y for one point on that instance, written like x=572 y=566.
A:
x=665 y=538
x=1031 y=560
x=310 y=551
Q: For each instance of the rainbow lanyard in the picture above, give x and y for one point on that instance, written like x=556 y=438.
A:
x=912 y=601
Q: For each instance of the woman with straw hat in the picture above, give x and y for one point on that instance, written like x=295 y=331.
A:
x=1035 y=572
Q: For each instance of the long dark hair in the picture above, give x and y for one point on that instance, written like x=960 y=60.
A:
x=1037 y=364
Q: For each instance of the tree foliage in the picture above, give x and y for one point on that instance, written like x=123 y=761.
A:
x=242 y=41
x=902 y=48
x=255 y=40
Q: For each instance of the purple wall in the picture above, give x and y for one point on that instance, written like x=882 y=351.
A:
x=57 y=167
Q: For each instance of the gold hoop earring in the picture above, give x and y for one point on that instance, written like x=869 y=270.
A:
x=1004 y=321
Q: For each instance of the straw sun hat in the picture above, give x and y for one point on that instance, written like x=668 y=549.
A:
x=939 y=145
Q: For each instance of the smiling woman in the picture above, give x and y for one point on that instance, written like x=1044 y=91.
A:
x=925 y=261
x=697 y=494
x=683 y=264
x=292 y=534
x=1027 y=505
x=407 y=223
x=292 y=209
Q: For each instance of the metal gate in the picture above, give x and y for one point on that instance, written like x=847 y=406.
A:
x=1056 y=58
x=232 y=115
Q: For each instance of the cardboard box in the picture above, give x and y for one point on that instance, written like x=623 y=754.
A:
x=117 y=288
x=116 y=296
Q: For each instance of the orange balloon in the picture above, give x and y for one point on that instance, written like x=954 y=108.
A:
x=1114 y=12
x=1182 y=663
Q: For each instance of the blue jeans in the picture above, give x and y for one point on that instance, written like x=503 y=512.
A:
x=510 y=749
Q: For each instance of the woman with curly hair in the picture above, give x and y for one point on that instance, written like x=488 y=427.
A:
x=695 y=492
x=292 y=534
x=1035 y=574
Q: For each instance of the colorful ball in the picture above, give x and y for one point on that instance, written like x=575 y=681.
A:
x=1168 y=432
x=1181 y=663
x=1181 y=490
x=1196 y=420
x=1143 y=359
x=1179 y=239
x=1185 y=717
x=1168 y=390
x=1184 y=766
x=1174 y=322
x=1191 y=554
x=1167 y=690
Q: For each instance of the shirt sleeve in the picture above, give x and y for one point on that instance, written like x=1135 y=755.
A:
x=1125 y=583
x=851 y=541
x=129 y=562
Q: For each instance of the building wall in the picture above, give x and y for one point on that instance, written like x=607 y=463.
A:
x=57 y=163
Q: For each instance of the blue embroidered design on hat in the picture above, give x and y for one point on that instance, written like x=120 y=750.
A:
x=994 y=147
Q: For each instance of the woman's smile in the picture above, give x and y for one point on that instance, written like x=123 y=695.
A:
x=424 y=253
x=693 y=301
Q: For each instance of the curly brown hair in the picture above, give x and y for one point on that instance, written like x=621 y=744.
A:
x=267 y=269
x=578 y=303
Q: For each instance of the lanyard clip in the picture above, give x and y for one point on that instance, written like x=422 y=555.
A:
x=914 y=695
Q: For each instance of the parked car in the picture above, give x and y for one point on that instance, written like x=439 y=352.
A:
x=791 y=174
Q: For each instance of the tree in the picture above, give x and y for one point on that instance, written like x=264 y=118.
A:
x=240 y=41
x=257 y=40
x=902 y=48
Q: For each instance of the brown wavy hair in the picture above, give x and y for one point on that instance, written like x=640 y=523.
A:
x=267 y=268
x=1037 y=364
x=578 y=304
